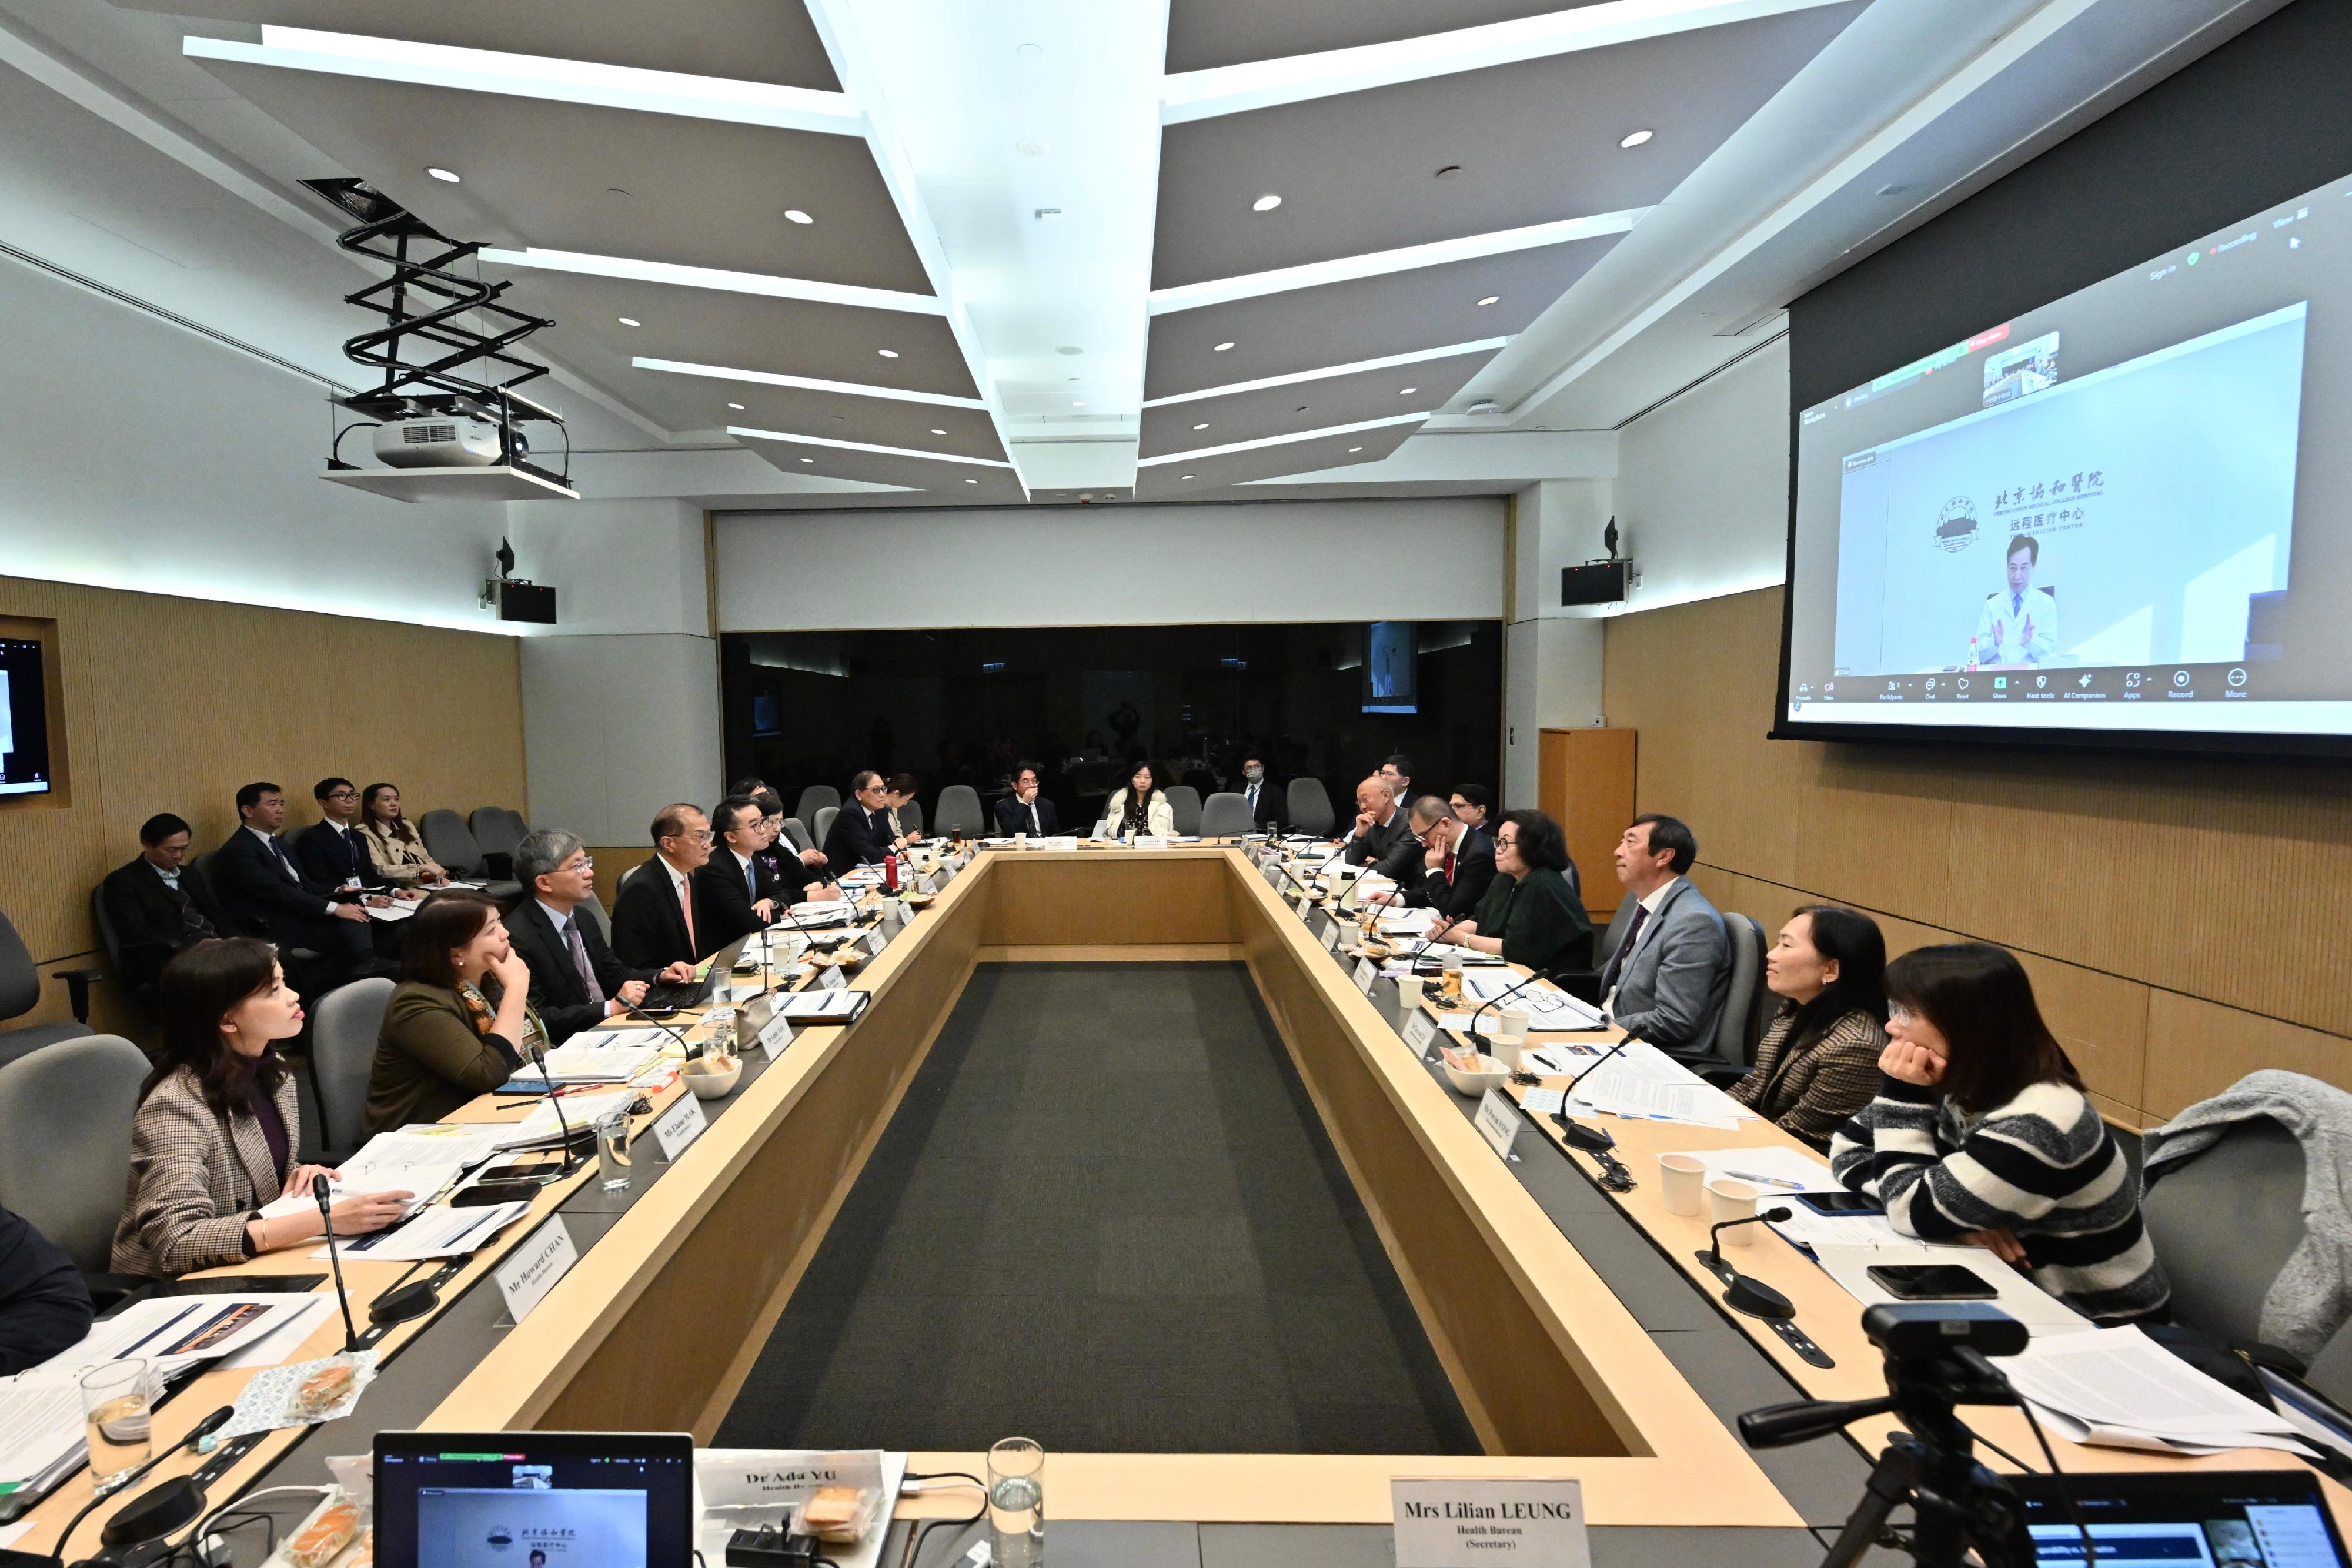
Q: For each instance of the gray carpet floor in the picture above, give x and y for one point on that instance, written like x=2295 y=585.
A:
x=1106 y=1216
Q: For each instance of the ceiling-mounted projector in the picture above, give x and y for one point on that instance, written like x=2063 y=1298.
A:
x=456 y=442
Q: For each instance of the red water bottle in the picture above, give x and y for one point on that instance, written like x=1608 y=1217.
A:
x=890 y=873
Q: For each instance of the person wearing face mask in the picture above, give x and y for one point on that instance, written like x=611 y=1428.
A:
x=1027 y=809
x=1818 y=1063
x=459 y=1022
x=1980 y=1133
x=1263 y=795
x=213 y=1138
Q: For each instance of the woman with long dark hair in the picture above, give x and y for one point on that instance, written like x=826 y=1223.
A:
x=1818 y=1061
x=459 y=1022
x=1140 y=806
x=1981 y=1133
x=400 y=854
x=215 y=1137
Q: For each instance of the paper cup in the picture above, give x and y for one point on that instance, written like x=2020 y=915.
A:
x=1408 y=993
x=1681 y=1178
x=1512 y=1022
x=1351 y=934
x=1506 y=1048
x=1728 y=1199
x=1021 y=838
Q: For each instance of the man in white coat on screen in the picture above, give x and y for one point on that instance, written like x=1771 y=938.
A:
x=2019 y=626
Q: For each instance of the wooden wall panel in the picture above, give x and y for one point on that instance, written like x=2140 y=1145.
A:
x=2184 y=921
x=171 y=704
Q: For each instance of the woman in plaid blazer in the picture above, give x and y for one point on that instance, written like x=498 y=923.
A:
x=1818 y=1063
x=215 y=1137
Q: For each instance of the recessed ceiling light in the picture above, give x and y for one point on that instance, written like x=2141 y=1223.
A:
x=937 y=431
x=1266 y=203
x=1202 y=425
x=1078 y=402
x=808 y=459
x=1490 y=299
x=1222 y=346
x=736 y=406
x=628 y=320
x=888 y=353
x=446 y=176
x=1635 y=140
x=972 y=481
x=1407 y=391
x=1355 y=449
x=1192 y=476
x=1029 y=51
x=798 y=216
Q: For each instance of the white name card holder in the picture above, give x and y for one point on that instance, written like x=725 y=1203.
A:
x=775 y=1034
x=1461 y=1523
x=1498 y=1122
x=830 y=979
x=1367 y=973
x=677 y=1127
x=532 y=1270
x=1419 y=1030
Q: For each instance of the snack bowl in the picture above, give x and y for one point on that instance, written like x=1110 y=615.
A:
x=712 y=1077
x=920 y=900
x=1489 y=1073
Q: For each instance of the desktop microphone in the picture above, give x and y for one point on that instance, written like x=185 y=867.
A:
x=554 y=1098
x=632 y=1010
x=1472 y=1033
x=1740 y=1293
x=156 y=1513
x=325 y=1195
x=1575 y=1134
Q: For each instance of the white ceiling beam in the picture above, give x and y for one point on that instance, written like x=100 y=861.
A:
x=1263 y=441
x=534 y=76
x=806 y=383
x=1264 y=84
x=865 y=447
x=1483 y=346
x=1379 y=263
x=715 y=278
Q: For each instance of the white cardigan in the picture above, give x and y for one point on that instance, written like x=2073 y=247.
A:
x=1159 y=813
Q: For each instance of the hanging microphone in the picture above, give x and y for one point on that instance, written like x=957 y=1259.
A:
x=325 y=1197
x=555 y=1098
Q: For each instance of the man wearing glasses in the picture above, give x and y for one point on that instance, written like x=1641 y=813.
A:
x=654 y=920
x=575 y=980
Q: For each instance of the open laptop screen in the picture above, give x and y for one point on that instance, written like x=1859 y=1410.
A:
x=2186 y=1519
x=534 y=1500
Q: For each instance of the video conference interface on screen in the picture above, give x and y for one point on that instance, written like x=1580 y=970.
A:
x=2128 y=510
x=2254 y=1531
x=24 y=720
x=537 y=1510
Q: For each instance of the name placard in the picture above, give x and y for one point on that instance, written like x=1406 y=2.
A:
x=1498 y=1120
x=876 y=940
x=1527 y=1523
x=1151 y=841
x=778 y=1478
x=1302 y=902
x=677 y=1127
x=1330 y=936
x=532 y=1271
x=1366 y=973
x=1419 y=1030
x=775 y=1034
x=829 y=979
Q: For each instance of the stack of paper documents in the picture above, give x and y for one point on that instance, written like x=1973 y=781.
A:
x=1545 y=1008
x=177 y=1332
x=2119 y=1388
x=1644 y=1081
x=822 y=1006
x=41 y=1435
x=833 y=912
x=543 y=1129
x=407 y=1155
x=594 y=1056
x=442 y=1232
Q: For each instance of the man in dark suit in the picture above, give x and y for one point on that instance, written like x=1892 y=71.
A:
x=1379 y=824
x=1457 y=863
x=735 y=892
x=45 y=1304
x=576 y=983
x=1027 y=809
x=1263 y=795
x=332 y=851
x=158 y=904
x=656 y=919
x=262 y=892
x=861 y=831
x=1397 y=774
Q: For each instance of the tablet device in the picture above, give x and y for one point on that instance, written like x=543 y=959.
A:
x=2138 y=1519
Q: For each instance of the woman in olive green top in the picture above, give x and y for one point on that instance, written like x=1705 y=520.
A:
x=1530 y=916
x=460 y=1023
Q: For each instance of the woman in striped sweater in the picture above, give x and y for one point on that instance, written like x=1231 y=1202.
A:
x=1981 y=1133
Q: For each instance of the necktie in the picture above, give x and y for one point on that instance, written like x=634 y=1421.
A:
x=686 y=905
x=1035 y=826
x=278 y=849
x=2017 y=604
x=1449 y=867
x=1624 y=948
x=579 y=962
x=752 y=878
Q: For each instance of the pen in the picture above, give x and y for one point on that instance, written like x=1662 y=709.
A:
x=1768 y=1180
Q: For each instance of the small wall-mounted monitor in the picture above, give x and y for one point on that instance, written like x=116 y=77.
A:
x=1390 y=677
x=24 y=719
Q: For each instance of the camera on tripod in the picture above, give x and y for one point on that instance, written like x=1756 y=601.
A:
x=1936 y=1359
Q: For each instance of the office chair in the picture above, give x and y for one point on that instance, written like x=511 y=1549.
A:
x=65 y=1142
x=910 y=817
x=960 y=811
x=1734 y=1042
x=496 y=832
x=797 y=832
x=815 y=799
x=1225 y=815
x=20 y=993
x=824 y=816
x=342 y=1052
x=2224 y=1223
x=1308 y=805
x=448 y=840
x=1184 y=803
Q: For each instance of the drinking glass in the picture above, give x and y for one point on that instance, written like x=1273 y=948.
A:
x=1016 y=1503
x=118 y=1401
x=613 y=1150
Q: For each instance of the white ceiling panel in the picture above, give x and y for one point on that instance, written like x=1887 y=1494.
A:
x=1526 y=143
x=690 y=402
x=768 y=41
x=940 y=483
x=1206 y=34
x=1296 y=406
x=606 y=181
x=1201 y=478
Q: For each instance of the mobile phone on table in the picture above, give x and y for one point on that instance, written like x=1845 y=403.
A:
x=1838 y=1203
x=1931 y=1283
x=525 y=1167
x=483 y=1194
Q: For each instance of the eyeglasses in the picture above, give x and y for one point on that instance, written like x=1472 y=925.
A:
x=342 y=794
x=584 y=865
x=1503 y=844
x=1897 y=1013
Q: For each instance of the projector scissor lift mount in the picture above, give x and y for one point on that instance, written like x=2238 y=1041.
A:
x=430 y=337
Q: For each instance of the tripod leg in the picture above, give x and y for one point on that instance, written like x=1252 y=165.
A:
x=1890 y=1482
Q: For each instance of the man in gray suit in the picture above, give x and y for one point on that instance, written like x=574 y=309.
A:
x=1667 y=980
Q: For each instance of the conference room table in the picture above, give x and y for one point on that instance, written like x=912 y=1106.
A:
x=1581 y=1333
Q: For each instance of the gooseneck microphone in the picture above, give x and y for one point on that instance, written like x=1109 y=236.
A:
x=1751 y=1296
x=325 y=1195
x=555 y=1098
x=156 y=1513
x=1574 y=1133
x=1473 y=1030
x=1714 y=1232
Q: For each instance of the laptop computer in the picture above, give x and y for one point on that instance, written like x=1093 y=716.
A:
x=534 y=1500
x=666 y=994
x=2175 y=1519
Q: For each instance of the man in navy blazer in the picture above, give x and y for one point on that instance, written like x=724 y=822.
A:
x=1260 y=792
x=861 y=830
x=1025 y=810
x=261 y=890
